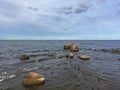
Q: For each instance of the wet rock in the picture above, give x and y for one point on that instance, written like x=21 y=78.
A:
x=84 y=57
x=60 y=57
x=24 y=57
x=33 y=78
x=68 y=45
x=74 y=48
x=111 y=51
x=115 y=51
x=51 y=54
x=70 y=55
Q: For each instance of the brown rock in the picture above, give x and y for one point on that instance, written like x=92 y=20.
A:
x=68 y=45
x=24 y=57
x=70 y=55
x=74 y=48
x=84 y=57
x=115 y=51
x=33 y=78
x=51 y=54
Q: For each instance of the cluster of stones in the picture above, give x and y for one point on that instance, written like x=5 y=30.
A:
x=32 y=78
x=73 y=47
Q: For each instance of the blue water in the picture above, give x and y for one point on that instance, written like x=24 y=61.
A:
x=61 y=72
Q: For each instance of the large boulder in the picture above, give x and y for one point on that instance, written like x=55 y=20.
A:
x=24 y=57
x=84 y=57
x=70 y=55
x=68 y=45
x=74 y=48
x=33 y=78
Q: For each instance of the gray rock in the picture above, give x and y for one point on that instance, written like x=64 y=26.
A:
x=24 y=57
x=68 y=45
x=70 y=55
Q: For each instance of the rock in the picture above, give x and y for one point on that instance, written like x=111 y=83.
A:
x=115 y=51
x=60 y=57
x=24 y=57
x=84 y=57
x=68 y=45
x=74 y=48
x=33 y=78
x=51 y=54
x=70 y=55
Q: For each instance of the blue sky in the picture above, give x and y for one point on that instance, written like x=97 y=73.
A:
x=60 y=19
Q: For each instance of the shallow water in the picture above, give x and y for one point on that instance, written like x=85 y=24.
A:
x=101 y=72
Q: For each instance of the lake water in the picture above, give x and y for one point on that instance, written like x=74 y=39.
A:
x=100 y=72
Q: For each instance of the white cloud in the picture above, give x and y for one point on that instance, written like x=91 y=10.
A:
x=93 y=14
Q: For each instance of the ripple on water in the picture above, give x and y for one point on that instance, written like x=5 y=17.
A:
x=2 y=78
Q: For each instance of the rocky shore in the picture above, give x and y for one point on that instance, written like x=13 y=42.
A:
x=69 y=68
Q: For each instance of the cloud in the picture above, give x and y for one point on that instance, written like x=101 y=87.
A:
x=100 y=1
x=32 y=8
x=9 y=9
x=66 y=10
x=61 y=17
x=82 y=8
x=75 y=9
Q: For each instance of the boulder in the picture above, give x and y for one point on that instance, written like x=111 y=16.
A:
x=24 y=57
x=70 y=55
x=33 y=78
x=68 y=45
x=74 y=48
x=84 y=57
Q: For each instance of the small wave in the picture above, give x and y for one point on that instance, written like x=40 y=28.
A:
x=45 y=50
x=35 y=55
x=2 y=78
x=27 y=70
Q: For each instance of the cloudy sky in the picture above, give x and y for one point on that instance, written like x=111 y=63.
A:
x=59 y=19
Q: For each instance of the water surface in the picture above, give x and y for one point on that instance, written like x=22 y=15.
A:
x=101 y=72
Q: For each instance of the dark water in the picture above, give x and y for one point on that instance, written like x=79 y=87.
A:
x=101 y=72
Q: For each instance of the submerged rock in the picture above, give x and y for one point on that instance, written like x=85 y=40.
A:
x=68 y=45
x=60 y=57
x=24 y=57
x=84 y=57
x=115 y=51
x=33 y=78
x=70 y=55
x=51 y=54
x=111 y=51
x=74 y=48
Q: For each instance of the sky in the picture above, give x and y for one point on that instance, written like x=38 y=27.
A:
x=60 y=19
